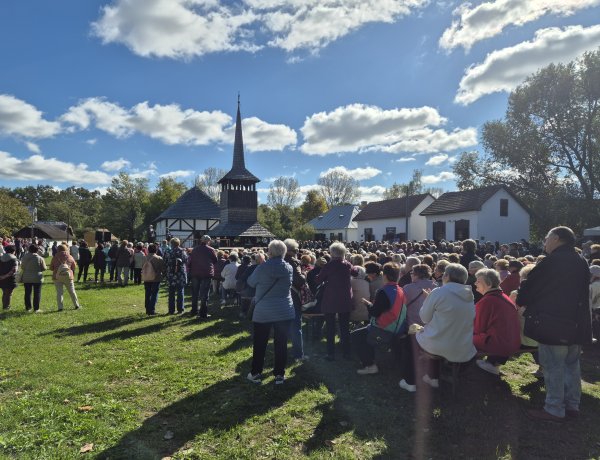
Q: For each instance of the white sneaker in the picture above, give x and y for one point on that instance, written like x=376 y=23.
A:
x=488 y=367
x=433 y=383
x=368 y=370
x=407 y=387
x=257 y=379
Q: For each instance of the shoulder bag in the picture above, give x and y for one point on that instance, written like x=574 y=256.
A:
x=377 y=337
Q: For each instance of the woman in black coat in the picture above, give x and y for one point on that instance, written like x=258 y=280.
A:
x=99 y=261
x=85 y=258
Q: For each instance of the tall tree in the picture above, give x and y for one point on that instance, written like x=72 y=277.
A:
x=313 y=206
x=283 y=192
x=413 y=187
x=338 y=188
x=208 y=182
x=547 y=148
x=13 y=214
x=124 y=205
x=166 y=192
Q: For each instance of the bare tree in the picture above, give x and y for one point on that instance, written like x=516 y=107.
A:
x=208 y=182
x=338 y=188
x=283 y=192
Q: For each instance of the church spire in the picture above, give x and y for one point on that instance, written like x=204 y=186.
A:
x=238 y=170
x=238 y=147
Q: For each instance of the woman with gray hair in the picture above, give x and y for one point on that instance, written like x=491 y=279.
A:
x=497 y=331
x=274 y=309
x=448 y=314
x=337 y=298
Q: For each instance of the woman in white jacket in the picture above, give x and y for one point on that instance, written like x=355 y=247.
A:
x=228 y=274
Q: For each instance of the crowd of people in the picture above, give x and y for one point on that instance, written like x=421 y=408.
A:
x=462 y=302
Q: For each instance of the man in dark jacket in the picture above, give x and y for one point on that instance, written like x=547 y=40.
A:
x=201 y=269
x=557 y=315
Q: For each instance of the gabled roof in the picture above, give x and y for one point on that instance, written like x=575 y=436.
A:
x=238 y=170
x=390 y=209
x=337 y=217
x=48 y=230
x=467 y=200
x=233 y=229
x=193 y=204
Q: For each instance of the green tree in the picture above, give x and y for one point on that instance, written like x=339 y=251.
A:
x=314 y=205
x=413 y=187
x=166 y=192
x=124 y=205
x=270 y=218
x=40 y=197
x=13 y=214
x=338 y=188
x=303 y=232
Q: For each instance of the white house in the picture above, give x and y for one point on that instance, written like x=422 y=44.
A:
x=387 y=219
x=337 y=224
x=191 y=216
x=491 y=213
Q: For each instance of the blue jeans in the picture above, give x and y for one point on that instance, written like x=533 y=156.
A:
x=151 y=296
x=175 y=292
x=562 y=377
x=296 y=335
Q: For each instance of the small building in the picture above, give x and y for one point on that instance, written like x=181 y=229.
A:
x=191 y=216
x=491 y=213
x=387 y=220
x=337 y=224
x=50 y=231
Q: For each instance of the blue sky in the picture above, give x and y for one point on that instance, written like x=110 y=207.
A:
x=375 y=87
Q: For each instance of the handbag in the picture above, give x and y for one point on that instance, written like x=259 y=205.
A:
x=550 y=330
x=253 y=302
x=377 y=336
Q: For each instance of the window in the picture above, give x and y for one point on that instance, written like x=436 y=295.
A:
x=461 y=229
x=390 y=233
x=504 y=207
x=369 y=234
x=439 y=230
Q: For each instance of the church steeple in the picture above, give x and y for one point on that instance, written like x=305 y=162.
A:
x=238 y=170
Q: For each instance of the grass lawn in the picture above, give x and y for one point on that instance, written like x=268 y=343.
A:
x=153 y=387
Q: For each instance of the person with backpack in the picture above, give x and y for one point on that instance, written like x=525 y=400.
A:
x=151 y=274
x=63 y=267
x=201 y=266
x=175 y=262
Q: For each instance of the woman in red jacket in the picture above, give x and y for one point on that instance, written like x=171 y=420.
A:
x=497 y=329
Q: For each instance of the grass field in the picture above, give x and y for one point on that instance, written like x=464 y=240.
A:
x=152 y=387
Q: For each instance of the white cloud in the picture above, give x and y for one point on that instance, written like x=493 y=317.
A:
x=91 y=141
x=262 y=136
x=374 y=193
x=437 y=160
x=18 y=118
x=503 y=70
x=183 y=29
x=441 y=177
x=178 y=174
x=405 y=159
x=488 y=19
x=172 y=125
x=304 y=189
x=359 y=173
x=116 y=165
x=102 y=190
x=39 y=168
x=33 y=147
x=359 y=128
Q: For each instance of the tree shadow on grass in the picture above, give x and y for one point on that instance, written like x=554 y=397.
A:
x=131 y=333
x=217 y=408
x=102 y=326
